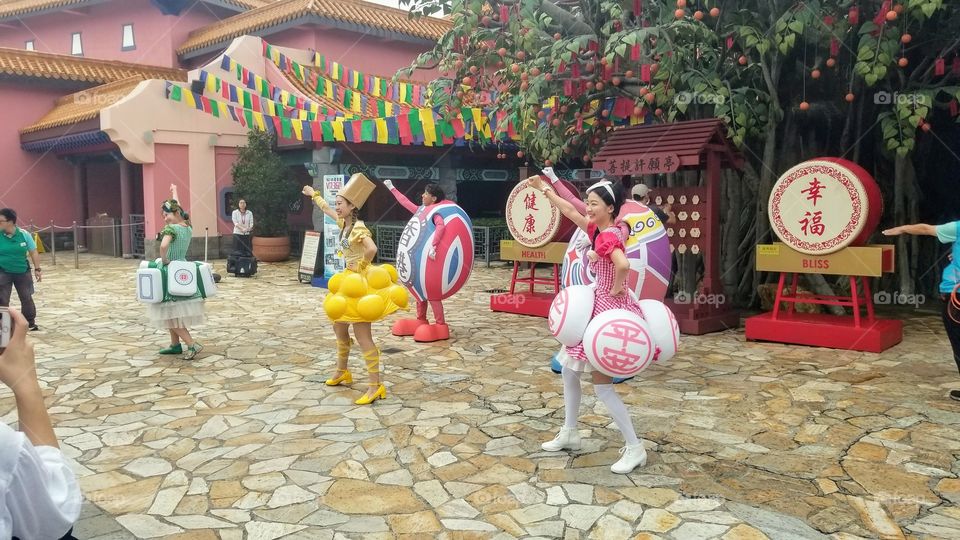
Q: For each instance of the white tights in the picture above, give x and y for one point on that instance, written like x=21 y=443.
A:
x=618 y=411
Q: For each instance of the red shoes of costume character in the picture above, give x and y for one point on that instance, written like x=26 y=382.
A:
x=421 y=330
x=407 y=327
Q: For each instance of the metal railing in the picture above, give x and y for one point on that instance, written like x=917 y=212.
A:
x=486 y=242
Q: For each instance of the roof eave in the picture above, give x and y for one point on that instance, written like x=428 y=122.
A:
x=49 y=10
x=309 y=19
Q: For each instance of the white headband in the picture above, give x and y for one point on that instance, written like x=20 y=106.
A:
x=606 y=184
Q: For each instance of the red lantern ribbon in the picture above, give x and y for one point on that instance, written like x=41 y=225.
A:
x=854 y=15
x=729 y=42
x=635 y=52
x=940 y=67
x=504 y=13
x=954 y=108
x=645 y=73
x=956 y=65
x=834 y=47
x=575 y=70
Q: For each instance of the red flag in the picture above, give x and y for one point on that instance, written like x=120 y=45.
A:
x=277 y=124
x=882 y=14
x=357 y=126
x=635 y=52
x=403 y=126
x=458 y=130
x=645 y=73
x=854 y=15
x=940 y=67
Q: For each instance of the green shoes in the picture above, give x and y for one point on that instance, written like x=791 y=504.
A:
x=173 y=349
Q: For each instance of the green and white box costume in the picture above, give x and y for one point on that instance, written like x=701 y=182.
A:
x=177 y=311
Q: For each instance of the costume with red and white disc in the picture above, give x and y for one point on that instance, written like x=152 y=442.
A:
x=570 y=313
x=533 y=221
x=647 y=249
x=824 y=205
x=444 y=275
x=663 y=328
x=618 y=343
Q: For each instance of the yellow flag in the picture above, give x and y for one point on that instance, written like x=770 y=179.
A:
x=338 y=130
x=188 y=98
x=211 y=84
x=297 y=129
x=355 y=106
x=376 y=87
x=381 y=131
x=429 y=128
x=258 y=120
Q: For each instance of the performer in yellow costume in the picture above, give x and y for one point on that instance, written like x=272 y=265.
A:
x=361 y=294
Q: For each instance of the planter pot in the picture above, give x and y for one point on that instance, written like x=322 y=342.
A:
x=271 y=249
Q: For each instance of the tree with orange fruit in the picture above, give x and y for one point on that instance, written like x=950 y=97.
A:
x=789 y=78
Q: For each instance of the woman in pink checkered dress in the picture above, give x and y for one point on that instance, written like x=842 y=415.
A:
x=608 y=260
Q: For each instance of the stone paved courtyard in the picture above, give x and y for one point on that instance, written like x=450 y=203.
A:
x=746 y=440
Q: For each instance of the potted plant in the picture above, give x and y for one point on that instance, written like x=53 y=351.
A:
x=262 y=179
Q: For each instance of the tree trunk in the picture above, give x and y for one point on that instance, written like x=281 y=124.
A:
x=901 y=215
x=764 y=186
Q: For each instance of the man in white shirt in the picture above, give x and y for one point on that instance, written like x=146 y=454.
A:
x=242 y=227
x=39 y=495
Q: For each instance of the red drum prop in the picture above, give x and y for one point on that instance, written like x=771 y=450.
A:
x=647 y=250
x=441 y=277
x=824 y=205
x=618 y=343
x=663 y=329
x=533 y=221
x=570 y=313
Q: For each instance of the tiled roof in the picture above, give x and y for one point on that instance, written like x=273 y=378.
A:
x=20 y=63
x=283 y=11
x=17 y=8
x=84 y=105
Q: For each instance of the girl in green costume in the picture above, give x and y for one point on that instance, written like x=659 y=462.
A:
x=177 y=313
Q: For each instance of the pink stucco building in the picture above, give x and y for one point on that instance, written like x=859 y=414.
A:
x=93 y=131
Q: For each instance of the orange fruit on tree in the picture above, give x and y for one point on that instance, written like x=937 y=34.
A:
x=906 y=38
x=742 y=60
x=698 y=15
x=715 y=12
x=650 y=97
x=681 y=3
x=903 y=62
x=815 y=74
x=804 y=106
x=849 y=97
x=679 y=13
x=892 y=15
x=831 y=62
x=898 y=8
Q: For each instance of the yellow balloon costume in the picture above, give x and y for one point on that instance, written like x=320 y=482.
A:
x=368 y=294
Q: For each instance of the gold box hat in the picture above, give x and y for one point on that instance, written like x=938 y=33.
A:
x=357 y=190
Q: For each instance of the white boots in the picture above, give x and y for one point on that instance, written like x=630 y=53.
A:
x=567 y=439
x=631 y=457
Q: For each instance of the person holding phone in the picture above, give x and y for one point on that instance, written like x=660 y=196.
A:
x=16 y=245
x=39 y=494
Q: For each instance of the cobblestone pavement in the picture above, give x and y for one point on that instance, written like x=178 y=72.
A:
x=746 y=440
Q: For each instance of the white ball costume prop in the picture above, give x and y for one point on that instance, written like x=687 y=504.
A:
x=570 y=314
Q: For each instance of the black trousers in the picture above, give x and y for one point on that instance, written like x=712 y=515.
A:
x=24 y=285
x=241 y=245
x=952 y=327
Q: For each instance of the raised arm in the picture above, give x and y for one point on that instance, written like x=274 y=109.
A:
x=565 y=193
x=317 y=199
x=566 y=208
x=400 y=197
x=918 y=228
